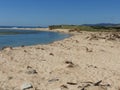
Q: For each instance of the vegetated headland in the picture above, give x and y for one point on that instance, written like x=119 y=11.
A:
x=88 y=27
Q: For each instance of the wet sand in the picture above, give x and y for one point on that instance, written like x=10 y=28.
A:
x=85 y=61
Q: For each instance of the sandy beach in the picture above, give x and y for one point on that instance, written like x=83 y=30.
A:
x=85 y=61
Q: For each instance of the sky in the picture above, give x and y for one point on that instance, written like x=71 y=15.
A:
x=49 y=12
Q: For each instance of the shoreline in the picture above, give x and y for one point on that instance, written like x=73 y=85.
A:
x=70 y=64
x=64 y=31
x=40 y=29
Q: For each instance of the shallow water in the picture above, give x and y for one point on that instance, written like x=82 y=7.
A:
x=16 y=38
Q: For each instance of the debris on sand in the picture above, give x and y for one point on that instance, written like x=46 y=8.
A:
x=107 y=36
x=26 y=86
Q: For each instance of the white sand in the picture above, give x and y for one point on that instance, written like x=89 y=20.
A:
x=70 y=64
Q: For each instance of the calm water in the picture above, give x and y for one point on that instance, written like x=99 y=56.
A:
x=16 y=38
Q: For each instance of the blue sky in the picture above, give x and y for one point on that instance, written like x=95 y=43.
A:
x=48 y=12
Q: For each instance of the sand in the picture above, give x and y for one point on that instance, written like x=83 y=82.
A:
x=76 y=63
